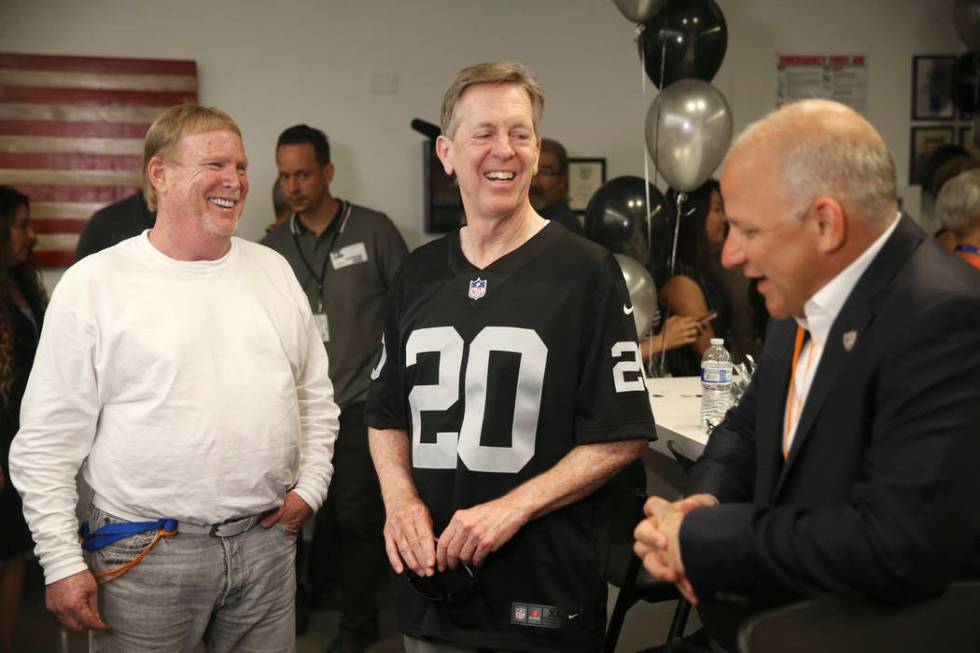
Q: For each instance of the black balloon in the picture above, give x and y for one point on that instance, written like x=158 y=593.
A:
x=687 y=38
x=616 y=217
x=966 y=82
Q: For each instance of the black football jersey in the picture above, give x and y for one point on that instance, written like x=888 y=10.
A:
x=496 y=374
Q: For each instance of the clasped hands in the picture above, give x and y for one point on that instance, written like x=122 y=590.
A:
x=471 y=535
x=658 y=539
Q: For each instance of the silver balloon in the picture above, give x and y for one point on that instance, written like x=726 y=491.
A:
x=688 y=130
x=640 y=11
x=643 y=293
x=966 y=17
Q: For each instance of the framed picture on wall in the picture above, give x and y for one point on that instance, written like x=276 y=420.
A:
x=923 y=142
x=585 y=176
x=932 y=87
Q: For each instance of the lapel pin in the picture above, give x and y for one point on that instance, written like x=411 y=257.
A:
x=849 y=339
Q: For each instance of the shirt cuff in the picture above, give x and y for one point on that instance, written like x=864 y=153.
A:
x=61 y=570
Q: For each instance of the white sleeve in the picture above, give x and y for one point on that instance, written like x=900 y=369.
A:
x=59 y=414
x=318 y=413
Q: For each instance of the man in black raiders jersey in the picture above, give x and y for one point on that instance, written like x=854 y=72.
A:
x=509 y=389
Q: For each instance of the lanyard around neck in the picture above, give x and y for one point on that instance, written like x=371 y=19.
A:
x=335 y=226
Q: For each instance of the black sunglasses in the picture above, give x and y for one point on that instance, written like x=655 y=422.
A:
x=450 y=586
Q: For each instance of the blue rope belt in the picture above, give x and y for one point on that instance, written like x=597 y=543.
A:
x=95 y=540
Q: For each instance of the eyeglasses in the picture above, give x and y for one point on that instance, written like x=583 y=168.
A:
x=549 y=172
x=450 y=586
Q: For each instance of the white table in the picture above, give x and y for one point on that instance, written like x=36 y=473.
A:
x=676 y=404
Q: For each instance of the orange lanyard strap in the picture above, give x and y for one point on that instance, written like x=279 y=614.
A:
x=167 y=528
x=113 y=574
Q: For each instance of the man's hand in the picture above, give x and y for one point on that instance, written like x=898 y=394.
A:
x=75 y=601
x=291 y=514
x=475 y=532
x=658 y=539
x=409 y=537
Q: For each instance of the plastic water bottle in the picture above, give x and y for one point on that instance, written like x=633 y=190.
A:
x=716 y=384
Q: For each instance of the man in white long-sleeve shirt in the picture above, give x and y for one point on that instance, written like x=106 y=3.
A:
x=183 y=372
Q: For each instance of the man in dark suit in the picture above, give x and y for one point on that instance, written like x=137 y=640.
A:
x=115 y=223
x=849 y=466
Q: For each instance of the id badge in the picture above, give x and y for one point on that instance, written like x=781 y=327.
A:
x=322 y=326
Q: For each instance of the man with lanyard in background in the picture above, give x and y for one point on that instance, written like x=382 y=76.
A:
x=345 y=257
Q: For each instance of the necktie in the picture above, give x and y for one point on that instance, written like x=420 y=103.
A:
x=794 y=405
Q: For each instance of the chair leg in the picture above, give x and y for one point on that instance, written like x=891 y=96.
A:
x=625 y=600
x=678 y=623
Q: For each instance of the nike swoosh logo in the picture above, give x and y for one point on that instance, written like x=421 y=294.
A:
x=627 y=310
x=572 y=616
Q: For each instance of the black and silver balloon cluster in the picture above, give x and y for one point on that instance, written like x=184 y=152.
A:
x=688 y=125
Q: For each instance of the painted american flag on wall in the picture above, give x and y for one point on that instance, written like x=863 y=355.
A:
x=71 y=135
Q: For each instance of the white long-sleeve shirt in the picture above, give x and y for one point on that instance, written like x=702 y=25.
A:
x=190 y=390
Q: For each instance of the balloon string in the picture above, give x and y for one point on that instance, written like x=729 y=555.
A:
x=646 y=159
x=666 y=314
x=663 y=62
x=681 y=198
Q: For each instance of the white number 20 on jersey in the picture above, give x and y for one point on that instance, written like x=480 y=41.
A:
x=447 y=342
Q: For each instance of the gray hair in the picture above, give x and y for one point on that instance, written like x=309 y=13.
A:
x=824 y=148
x=491 y=72
x=958 y=204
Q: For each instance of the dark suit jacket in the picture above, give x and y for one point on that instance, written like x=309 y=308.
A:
x=878 y=499
x=115 y=223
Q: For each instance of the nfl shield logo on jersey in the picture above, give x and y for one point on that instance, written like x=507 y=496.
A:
x=478 y=288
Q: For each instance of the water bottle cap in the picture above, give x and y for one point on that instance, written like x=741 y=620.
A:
x=718 y=341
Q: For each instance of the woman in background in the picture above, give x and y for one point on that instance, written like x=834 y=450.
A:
x=22 y=302
x=701 y=289
x=694 y=289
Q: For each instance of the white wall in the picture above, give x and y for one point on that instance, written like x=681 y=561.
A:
x=273 y=64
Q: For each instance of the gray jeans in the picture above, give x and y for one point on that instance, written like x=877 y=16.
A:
x=234 y=594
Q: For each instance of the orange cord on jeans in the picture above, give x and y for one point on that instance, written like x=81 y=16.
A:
x=113 y=574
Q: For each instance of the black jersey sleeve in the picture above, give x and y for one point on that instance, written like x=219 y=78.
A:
x=612 y=402
x=385 y=407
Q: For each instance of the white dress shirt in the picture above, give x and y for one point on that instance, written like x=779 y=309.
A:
x=820 y=312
